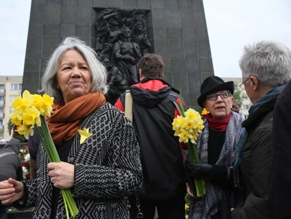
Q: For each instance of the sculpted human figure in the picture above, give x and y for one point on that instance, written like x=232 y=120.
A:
x=108 y=30
x=140 y=37
x=105 y=52
x=126 y=54
x=116 y=82
x=114 y=32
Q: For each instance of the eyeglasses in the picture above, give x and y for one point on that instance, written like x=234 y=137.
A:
x=242 y=85
x=223 y=95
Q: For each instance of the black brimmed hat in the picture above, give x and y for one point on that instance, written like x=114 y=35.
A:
x=213 y=84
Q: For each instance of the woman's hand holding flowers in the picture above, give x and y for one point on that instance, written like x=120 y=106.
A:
x=62 y=174
x=29 y=114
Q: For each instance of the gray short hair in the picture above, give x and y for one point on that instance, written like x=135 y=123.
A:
x=97 y=70
x=269 y=61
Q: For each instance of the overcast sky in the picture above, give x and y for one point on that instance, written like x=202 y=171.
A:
x=231 y=24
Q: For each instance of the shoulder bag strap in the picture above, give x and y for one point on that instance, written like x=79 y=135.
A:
x=128 y=114
x=128 y=105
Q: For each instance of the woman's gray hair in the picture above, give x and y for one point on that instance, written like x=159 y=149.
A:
x=269 y=61
x=97 y=69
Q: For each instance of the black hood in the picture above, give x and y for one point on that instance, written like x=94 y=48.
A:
x=150 y=98
x=14 y=145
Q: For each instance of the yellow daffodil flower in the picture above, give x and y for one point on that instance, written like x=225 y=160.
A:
x=29 y=112
x=187 y=127
x=204 y=112
x=84 y=134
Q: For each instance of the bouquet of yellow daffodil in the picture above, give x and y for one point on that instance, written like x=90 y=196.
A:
x=30 y=112
x=187 y=126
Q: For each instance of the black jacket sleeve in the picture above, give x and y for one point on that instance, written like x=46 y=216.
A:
x=222 y=176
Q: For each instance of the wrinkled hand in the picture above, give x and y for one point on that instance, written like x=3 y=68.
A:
x=190 y=190
x=10 y=191
x=198 y=170
x=62 y=174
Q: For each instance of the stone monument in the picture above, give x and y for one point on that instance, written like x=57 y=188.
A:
x=174 y=29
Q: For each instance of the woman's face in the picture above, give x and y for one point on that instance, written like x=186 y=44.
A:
x=219 y=108
x=73 y=75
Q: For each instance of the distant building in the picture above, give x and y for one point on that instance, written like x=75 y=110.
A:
x=10 y=88
x=246 y=102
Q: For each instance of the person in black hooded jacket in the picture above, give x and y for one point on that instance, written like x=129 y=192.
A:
x=11 y=166
x=153 y=108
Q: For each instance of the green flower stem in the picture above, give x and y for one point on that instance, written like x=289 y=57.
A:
x=193 y=155
x=199 y=183
x=53 y=156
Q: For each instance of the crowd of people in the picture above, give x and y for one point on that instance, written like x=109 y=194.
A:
x=132 y=165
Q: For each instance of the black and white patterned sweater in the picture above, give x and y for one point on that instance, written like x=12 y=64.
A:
x=107 y=167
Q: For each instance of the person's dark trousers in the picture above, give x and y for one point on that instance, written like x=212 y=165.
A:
x=167 y=209
x=3 y=211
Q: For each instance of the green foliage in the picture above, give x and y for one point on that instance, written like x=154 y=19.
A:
x=238 y=95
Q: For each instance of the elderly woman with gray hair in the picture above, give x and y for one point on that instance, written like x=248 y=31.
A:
x=101 y=171
x=266 y=68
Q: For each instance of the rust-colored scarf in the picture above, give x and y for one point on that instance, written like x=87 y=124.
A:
x=66 y=119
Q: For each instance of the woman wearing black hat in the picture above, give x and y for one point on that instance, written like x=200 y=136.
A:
x=216 y=149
